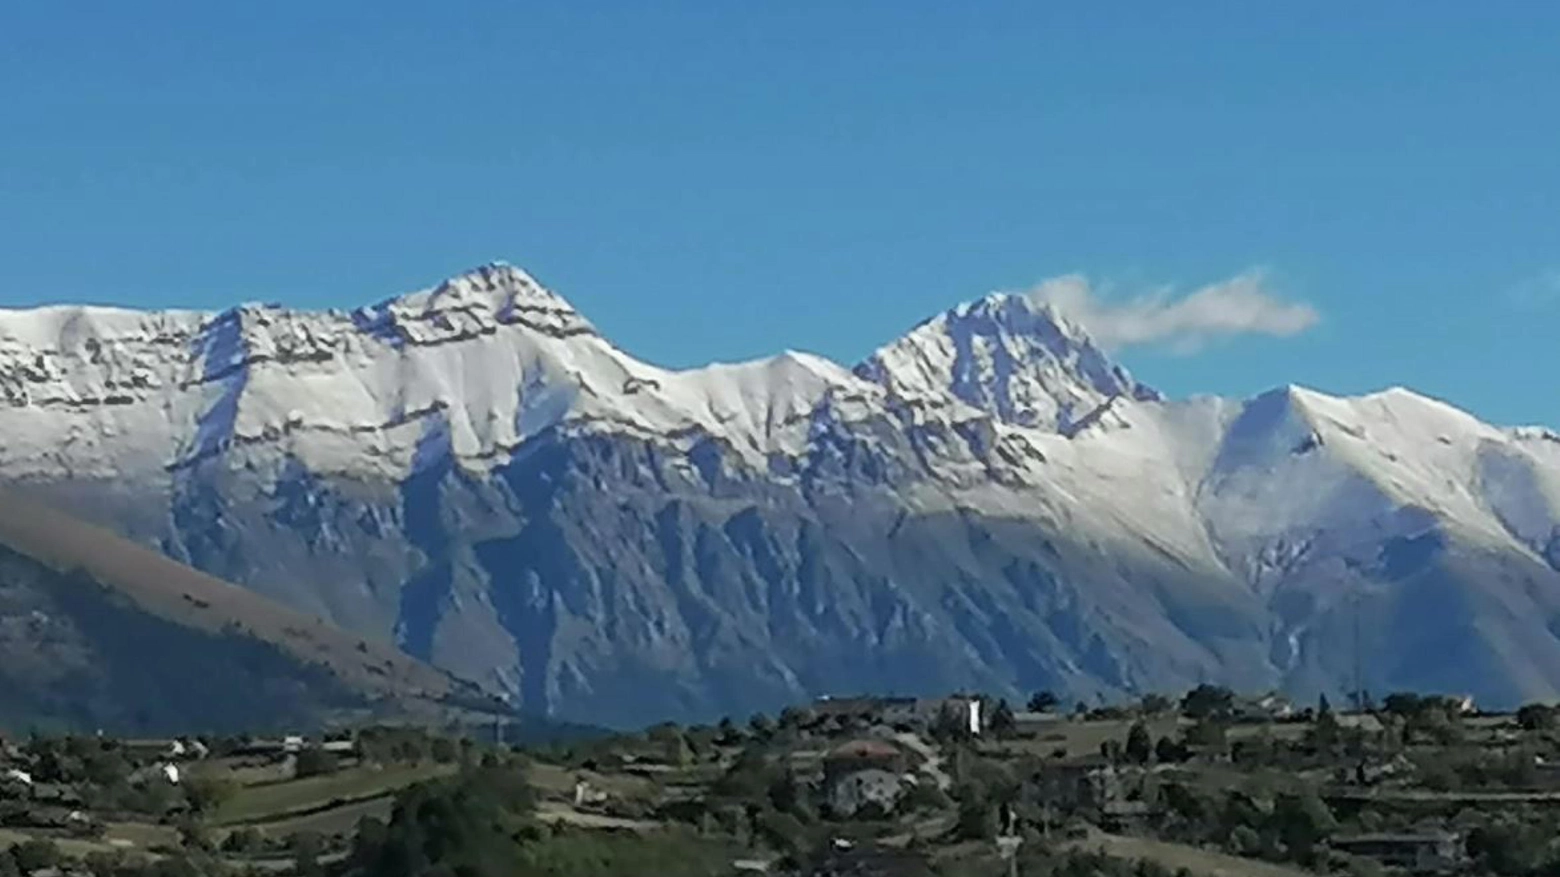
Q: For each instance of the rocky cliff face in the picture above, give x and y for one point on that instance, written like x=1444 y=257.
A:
x=988 y=501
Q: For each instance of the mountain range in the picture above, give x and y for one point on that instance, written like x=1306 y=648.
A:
x=474 y=472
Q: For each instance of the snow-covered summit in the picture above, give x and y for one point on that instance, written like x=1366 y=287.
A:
x=480 y=363
x=1002 y=390
x=471 y=304
x=1020 y=361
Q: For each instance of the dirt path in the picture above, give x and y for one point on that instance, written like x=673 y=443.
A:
x=934 y=759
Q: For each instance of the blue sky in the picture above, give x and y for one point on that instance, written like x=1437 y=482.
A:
x=721 y=180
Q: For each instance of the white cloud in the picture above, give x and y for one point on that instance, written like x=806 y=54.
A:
x=1241 y=305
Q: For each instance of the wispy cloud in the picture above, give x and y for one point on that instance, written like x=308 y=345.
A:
x=1242 y=305
x=1542 y=290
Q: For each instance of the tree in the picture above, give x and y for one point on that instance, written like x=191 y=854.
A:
x=977 y=819
x=1208 y=733
x=1155 y=705
x=1536 y=717
x=1043 y=702
x=444 y=750
x=194 y=836
x=1325 y=732
x=782 y=832
x=1301 y=822
x=306 y=847
x=36 y=855
x=1140 y=746
x=1404 y=703
x=1110 y=750
x=314 y=761
x=8 y=866
x=1003 y=722
x=762 y=726
x=1168 y=751
x=243 y=841
x=207 y=793
x=948 y=727
x=1208 y=701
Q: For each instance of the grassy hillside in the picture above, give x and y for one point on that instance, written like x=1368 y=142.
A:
x=97 y=631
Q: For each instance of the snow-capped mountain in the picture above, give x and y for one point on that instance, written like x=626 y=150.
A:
x=988 y=501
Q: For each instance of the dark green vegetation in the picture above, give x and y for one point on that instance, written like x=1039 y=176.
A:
x=97 y=633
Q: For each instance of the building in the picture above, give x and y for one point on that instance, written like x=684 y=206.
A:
x=859 y=755
x=871 y=788
x=1435 y=852
x=1365 y=723
x=1267 y=708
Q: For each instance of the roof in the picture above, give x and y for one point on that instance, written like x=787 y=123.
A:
x=865 y=749
x=1360 y=721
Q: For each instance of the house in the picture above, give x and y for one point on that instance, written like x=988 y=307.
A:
x=1270 y=707
x=1435 y=852
x=16 y=775
x=1365 y=723
x=165 y=771
x=865 y=754
x=850 y=793
x=585 y=795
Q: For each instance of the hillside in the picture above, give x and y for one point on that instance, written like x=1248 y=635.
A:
x=476 y=474
x=96 y=632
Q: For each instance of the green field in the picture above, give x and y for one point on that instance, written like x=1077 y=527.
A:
x=336 y=820
x=275 y=801
x=1200 y=862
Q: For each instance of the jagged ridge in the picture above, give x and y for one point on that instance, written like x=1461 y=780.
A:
x=477 y=470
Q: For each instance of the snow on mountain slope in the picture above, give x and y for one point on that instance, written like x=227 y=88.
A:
x=1009 y=357
x=491 y=356
x=1020 y=396
x=476 y=470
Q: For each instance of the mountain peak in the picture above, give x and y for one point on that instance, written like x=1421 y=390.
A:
x=476 y=302
x=1024 y=362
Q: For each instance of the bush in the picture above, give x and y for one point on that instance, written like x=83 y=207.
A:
x=315 y=762
x=35 y=855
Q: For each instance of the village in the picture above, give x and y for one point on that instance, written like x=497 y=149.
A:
x=1208 y=783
